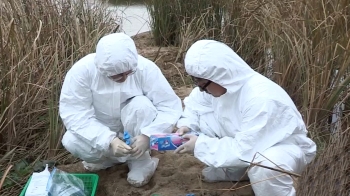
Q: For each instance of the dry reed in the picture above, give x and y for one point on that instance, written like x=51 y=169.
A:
x=301 y=45
x=39 y=41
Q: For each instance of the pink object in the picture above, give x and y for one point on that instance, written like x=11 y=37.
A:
x=162 y=142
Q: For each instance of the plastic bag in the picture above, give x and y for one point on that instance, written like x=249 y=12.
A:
x=65 y=184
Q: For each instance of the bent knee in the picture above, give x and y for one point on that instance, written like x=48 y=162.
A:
x=270 y=182
x=138 y=113
x=257 y=173
x=139 y=104
x=80 y=149
x=68 y=142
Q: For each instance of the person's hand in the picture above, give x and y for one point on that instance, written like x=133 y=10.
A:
x=120 y=148
x=187 y=147
x=183 y=130
x=140 y=145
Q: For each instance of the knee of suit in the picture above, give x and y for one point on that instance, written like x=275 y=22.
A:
x=138 y=113
x=80 y=149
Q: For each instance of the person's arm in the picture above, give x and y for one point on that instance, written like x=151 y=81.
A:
x=169 y=108
x=77 y=112
x=264 y=123
x=196 y=103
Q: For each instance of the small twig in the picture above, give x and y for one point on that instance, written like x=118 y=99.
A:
x=245 y=173
x=178 y=70
x=269 y=160
x=274 y=169
x=116 y=29
x=38 y=34
x=4 y=176
x=241 y=186
x=158 y=52
x=14 y=181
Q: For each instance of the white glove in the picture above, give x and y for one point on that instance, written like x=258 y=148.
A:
x=183 y=130
x=140 y=145
x=120 y=148
x=187 y=147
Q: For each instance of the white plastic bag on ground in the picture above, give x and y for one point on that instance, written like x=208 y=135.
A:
x=62 y=184
x=38 y=182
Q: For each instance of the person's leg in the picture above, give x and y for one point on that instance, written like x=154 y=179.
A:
x=136 y=114
x=288 y=157
x=92 y=159
x=208 y=125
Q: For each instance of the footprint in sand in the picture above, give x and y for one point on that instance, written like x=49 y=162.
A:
x=167 y=172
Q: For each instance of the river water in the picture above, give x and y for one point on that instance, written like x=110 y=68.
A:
x=134 y=15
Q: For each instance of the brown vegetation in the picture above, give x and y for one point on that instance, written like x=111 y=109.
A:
x=308 y=42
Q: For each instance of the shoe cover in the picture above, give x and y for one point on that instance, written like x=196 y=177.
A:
x=97 y=166
x=141 y=170
x=211 y=174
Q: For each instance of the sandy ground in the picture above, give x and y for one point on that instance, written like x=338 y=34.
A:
x=176 y=174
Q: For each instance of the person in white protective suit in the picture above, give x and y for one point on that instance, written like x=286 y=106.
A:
x=239 y=113
x=108 y=92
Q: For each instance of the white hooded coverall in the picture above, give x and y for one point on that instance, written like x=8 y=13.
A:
x=96 y=109
x=254 y=115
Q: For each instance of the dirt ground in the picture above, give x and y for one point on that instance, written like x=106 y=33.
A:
x=167 y=58
x=176 y=174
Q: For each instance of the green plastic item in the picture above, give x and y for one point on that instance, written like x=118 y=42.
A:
x=90 y=183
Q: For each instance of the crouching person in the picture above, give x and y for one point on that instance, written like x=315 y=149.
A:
x=239 y=113
x=108 y=92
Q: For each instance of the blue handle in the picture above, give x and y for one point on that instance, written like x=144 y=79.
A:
x=126 y=137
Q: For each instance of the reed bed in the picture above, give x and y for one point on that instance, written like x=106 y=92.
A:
x=301 y=45
x=40 y=40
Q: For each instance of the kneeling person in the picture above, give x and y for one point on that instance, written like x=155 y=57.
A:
x=110 y=91
x=239 y=113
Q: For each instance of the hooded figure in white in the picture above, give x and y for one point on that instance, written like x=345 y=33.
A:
x=112 y=91
x=239 y=113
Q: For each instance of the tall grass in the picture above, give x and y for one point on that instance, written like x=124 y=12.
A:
x=310 y=44
x=40 y=40
x=168 y=17
x=301 y=45
x=180 y=23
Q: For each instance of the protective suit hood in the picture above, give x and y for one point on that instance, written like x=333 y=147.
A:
x=214 y=61
x=115 y=53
